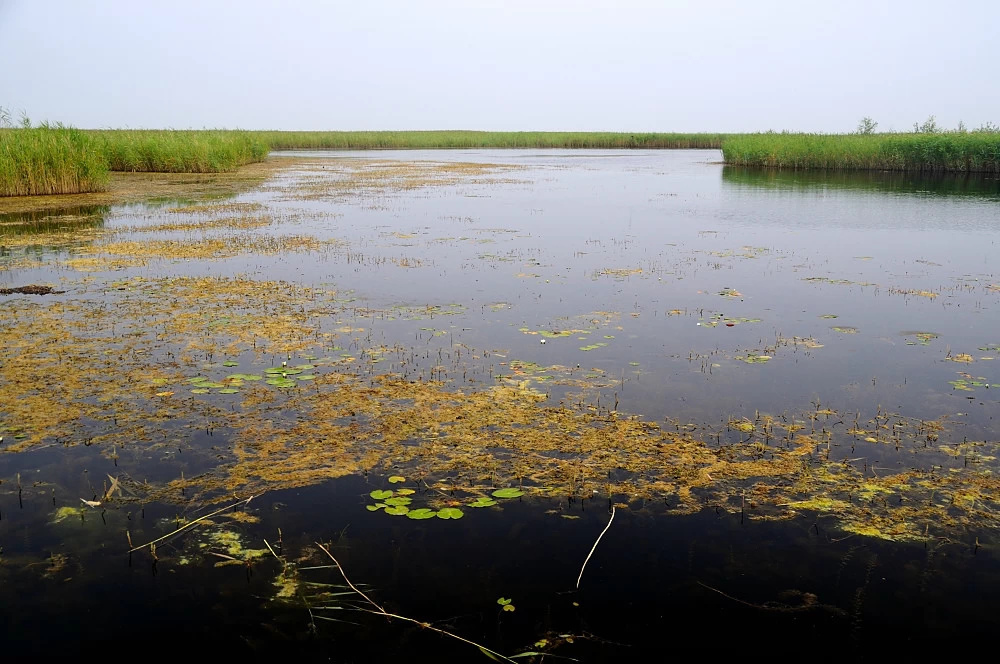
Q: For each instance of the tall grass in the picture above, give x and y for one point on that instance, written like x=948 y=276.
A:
x=374 y=140
x=975 y=152
x=168 y=151
x=50 y=160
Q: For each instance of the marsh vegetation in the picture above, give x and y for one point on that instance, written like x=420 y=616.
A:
x=522 y=397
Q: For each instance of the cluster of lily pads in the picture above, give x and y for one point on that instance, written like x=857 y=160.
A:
x=282 y=377
x=398 y=502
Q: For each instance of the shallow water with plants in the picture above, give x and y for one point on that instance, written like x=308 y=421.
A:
x=527 y=405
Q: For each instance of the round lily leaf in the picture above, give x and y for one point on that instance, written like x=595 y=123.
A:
x=200 y=390
x=397 y=510
x=228 y=390
x=381 y=494
x=510 y=492
x=396 y=501
x=396 y=479
x=421 y=513
x=376 y=507
x=483 y=501
x=405 y=492
x=450 y=513
x=230 y=363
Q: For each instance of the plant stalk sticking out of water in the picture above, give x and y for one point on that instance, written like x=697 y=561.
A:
x=152 y=544
x=380 y=611
x=594 y=548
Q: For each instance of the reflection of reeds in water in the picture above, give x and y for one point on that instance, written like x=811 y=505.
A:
x=857 y=613
x=798 y=181
x=52 y=221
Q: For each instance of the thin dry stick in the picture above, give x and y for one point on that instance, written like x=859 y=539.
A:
x=593 y=548
x=385 y=613
x=188 y=525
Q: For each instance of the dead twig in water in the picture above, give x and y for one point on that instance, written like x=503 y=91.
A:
x=192 y=523
x=383 y=612
x=594 y=548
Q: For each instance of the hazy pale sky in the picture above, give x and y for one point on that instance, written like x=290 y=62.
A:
x=712 y=65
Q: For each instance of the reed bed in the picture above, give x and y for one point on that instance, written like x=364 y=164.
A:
x=50 y=160
x=974 y=152
x=376 y=140
x=168 y=151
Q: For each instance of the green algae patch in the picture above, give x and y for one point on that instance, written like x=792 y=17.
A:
x=820 y=504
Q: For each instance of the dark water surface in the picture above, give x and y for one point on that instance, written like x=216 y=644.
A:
x=644 y=282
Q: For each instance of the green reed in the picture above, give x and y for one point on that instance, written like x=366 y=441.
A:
x=50 y=160
x=170 y=151
x=972 y=152
x=374 y=140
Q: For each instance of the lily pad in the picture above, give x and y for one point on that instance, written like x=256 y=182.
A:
x=281 y=382
x=381 y=494
x=397 y=510
x=405 y=492
x=754 y=359
x=228 y=390
x=396 y=479
x=376 y=507
x=421 y=513
x=397 y=501
x=450 y=513
x=509 y=492
x=230 y=363
x=200 y=390
x=844 y=329
x=483 y=501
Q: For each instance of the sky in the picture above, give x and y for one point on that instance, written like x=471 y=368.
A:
x=504 y=65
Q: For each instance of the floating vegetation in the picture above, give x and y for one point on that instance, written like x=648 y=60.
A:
x=619 y=273
x=962 y=357
x=839 y=282
x=967 y=382
x=730 y=292
x=718 y=318
x=751 y=358
x=844 y=329
x=922 y=338
x=930 y=295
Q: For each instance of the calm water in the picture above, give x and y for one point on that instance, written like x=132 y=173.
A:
x=657 y=275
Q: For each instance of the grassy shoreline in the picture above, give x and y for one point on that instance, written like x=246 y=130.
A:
x=60 y=160
x=452 y=139
x=950 y=152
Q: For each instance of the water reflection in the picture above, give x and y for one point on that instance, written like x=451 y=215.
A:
x=53 y=221
x=884 y=182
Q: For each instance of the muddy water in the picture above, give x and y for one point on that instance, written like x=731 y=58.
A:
x=779 y=385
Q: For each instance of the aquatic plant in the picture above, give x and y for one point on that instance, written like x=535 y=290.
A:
x=371 y=140
x=924 y=152
x=169 y=151
x=50 y=160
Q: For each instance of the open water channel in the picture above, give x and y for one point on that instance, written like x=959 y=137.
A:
x=770 y=394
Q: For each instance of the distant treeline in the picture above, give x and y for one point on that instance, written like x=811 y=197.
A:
x=55 y=159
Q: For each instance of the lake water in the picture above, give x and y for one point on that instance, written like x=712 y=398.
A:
x=777 y=386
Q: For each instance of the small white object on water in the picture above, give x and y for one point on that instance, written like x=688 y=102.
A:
x=542 y=341
x=697 y=323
